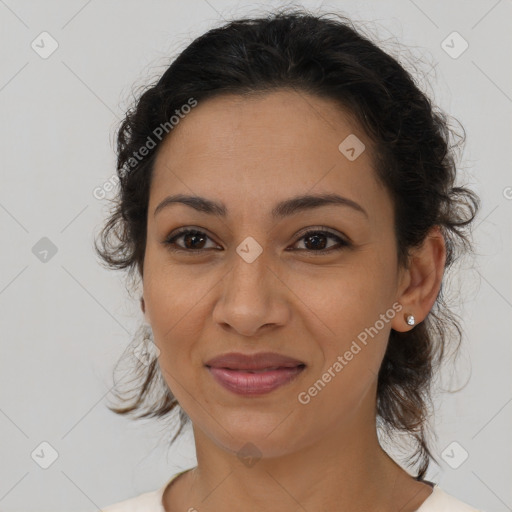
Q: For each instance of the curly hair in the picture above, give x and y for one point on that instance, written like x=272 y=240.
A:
x=414 y=158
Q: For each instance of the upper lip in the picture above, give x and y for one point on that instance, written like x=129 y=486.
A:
x=258 y=361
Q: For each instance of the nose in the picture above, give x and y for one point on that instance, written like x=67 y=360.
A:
x=252 y=298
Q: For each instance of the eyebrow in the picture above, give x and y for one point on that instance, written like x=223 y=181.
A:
x=283 y=209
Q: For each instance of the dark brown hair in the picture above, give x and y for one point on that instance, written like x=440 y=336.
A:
x=414 y=153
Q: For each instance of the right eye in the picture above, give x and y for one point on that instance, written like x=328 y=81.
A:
x=192 y=238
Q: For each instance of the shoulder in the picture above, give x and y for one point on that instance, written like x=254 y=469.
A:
x=441 y=501
x=147 y=502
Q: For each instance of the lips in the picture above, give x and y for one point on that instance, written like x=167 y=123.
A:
x=259 y=362
x=254 y=374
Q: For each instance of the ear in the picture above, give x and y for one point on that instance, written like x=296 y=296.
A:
x=420 y=283
x=143 y=309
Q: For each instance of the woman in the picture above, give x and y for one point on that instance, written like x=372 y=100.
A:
x=288 y=201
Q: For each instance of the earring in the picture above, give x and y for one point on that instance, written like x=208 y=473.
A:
x=409 y=319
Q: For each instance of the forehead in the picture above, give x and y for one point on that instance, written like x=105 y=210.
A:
x=287 y=123
x=236 y=148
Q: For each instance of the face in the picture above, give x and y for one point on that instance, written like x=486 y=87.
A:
x=318 y=284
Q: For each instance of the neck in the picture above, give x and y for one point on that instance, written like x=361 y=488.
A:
x=344 y=469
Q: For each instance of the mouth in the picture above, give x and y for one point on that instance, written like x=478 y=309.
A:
x=254 y=374
x=250 y=382
x=258 y=361
x=261 y=370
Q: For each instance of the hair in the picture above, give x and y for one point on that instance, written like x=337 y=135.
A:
x=414 y=158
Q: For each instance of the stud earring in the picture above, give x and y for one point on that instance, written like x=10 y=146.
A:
x=409 y=319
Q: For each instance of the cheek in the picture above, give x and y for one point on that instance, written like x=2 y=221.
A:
x=174 y=305
x=351 y=311
x=352 y=347
x=172 y=291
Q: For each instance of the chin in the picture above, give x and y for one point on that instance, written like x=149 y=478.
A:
x=252 y=438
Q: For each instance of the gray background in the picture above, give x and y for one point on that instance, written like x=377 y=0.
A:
x=65 y=321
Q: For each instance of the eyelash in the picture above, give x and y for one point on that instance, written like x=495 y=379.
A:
x=171 y=245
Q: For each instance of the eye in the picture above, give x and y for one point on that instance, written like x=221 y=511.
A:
x=314 y=241
x=194 y=241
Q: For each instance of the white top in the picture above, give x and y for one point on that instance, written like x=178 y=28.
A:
x=438 y=501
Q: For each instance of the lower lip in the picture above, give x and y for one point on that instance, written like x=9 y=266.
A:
x=244 y=383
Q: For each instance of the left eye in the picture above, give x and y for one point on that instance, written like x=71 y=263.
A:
x=194 y=241
x=319 y=246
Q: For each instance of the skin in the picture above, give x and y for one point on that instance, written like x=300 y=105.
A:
x=250 y=153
